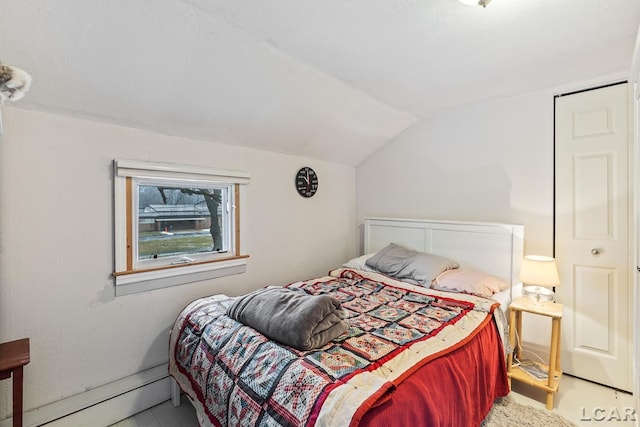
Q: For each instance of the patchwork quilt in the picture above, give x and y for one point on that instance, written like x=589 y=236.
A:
x=240 y=377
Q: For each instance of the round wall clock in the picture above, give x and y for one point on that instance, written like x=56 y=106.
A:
x=306 y=182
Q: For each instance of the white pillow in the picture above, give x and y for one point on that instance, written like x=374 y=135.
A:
x=359 y=263
x=469 y=281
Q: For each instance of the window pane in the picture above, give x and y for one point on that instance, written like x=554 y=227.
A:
x=176 y=221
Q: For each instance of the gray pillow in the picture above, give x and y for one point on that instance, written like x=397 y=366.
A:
x=402 y=263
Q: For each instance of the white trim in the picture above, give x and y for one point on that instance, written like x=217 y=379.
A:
x=147 y=281
x=634 y=190
x=104 y=405
x=140 y=169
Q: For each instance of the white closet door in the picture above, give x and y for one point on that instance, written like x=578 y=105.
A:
x=592 y=234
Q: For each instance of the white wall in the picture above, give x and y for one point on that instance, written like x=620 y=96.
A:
x=635 y=79
x=487 y=162
x=56 y=250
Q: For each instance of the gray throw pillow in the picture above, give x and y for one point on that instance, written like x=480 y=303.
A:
x=402 y=263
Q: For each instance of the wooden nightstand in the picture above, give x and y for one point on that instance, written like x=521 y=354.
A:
x=552 y=310
x=13 y=356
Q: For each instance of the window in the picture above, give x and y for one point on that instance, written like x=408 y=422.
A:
x=175 y=224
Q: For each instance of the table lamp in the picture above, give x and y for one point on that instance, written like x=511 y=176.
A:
x=538 y=275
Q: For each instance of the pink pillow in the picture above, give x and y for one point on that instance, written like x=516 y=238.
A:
x=469 y=281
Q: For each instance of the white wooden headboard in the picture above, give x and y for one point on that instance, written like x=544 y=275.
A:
x=493 y=248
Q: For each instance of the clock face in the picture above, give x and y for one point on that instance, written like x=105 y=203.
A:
x=306 y=182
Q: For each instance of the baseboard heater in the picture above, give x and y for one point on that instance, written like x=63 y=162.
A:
x=104 y=405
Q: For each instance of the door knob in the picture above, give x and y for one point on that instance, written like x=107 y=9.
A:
x=595 y=251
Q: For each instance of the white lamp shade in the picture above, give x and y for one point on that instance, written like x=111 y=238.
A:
x=539 y=270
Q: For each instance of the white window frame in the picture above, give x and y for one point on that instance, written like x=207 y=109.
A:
x=132 y=276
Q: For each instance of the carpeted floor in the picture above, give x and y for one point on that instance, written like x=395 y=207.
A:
x=506 y=412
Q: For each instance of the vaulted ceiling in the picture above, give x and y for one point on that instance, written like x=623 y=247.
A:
x=333 y=79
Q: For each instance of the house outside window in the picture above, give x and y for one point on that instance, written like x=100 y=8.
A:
x=175 y=224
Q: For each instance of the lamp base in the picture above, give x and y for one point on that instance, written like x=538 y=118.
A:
x=538 y=294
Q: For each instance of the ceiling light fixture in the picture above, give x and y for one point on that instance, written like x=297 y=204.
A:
x=14 y=83
x=482 y=3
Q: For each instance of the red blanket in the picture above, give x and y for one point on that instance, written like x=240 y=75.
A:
x=455 y=390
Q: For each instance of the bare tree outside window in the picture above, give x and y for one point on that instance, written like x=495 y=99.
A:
x=213 y=199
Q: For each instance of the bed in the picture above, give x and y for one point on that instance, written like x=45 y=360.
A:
x=411 y=354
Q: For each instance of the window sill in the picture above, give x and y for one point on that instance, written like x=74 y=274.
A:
x=131 y=283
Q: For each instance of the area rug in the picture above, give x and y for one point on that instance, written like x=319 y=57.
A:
x=506 y=412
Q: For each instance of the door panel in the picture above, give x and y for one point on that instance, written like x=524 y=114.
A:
x=592 y=245
x=592 y=200
x=593 y=318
